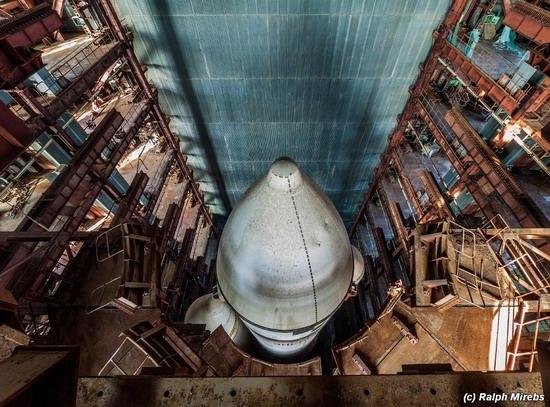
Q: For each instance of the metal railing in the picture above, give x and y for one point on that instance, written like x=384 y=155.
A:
x=472 y=248
x=101 y=303
x=130 y=119
x=497 y=67
x=73 y=66
x=107 y=243
x=437 y=111
x=528 y=269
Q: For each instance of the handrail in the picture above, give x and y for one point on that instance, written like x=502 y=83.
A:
x=109 y=254
x=100 y=298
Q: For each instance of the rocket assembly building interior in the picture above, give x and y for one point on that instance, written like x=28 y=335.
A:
x=274 y=202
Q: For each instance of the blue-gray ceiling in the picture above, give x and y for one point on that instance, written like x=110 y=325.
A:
x=248 y=81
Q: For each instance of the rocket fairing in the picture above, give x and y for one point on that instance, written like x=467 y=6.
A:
x=285 y=263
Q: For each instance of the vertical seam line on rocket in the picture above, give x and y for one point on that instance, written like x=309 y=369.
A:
x=305 y=247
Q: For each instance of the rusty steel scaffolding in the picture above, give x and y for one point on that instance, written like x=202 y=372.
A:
x=483 y=202
x=38 y=258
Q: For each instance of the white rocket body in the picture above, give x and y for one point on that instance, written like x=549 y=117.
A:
x=213 y=312
x=285 y=262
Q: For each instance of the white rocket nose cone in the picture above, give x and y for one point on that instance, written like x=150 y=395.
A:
x=285 y=262
x=284 y=174
x=284 y=258
x=284 y=167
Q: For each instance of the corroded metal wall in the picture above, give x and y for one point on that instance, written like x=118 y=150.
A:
x=247 y=81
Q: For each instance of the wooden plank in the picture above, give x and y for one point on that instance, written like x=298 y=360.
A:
x=534 y=306
x=435 y=283
x=152 y=331
x=183 y=349
x=361 y=364
x=24 y=368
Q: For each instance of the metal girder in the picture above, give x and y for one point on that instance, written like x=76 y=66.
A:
x=483 y=81
x=153 y=194
x=15 y=137
x=465 y=173
x=17 y=34
x=109 y=166
x=529 y=20
x=27 y=99
x=91 y=188
x=30 y=26
x=493 y=169
x=383 y=253
x=454 y=159
x=407 y=184
x=426 y=71
x=131 y=199
x=399 y=227
x=411 y=389
x=40 y=236
x=529 y=233
x=437 y=200
x=172 y=219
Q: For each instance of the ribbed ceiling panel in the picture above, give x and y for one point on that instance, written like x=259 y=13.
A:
x=248 y=81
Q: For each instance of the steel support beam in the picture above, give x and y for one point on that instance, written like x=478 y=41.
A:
x=130 y=202
x=68 y=200
x=399 y=227
x=528 y=19
x=529 y=233
x=84 y=82
x=407 y=184
x=15 y=137
x=443 y=389
x=426 y=71
x=454 y=158
x=30 y=26
x=383 y=253
x=465 y=171
x=438 y=203
x=172 y=219
x=153 y=193
x=41 y=236
x=20 y=32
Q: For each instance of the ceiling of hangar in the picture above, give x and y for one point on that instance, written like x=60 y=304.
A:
x=247 y=81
